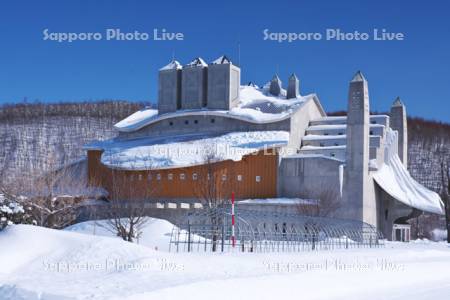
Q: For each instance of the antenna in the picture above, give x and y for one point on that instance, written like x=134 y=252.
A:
x=278 y=67
x=239 y=50
x=173 y=55
x=239 y=54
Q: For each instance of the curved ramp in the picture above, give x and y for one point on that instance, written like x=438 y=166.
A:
x=395 y=180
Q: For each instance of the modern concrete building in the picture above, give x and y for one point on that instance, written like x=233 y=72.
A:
x=265 y=145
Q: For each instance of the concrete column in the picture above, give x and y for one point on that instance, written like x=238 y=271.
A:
x=356 y=175
x=169 y=88
x=275 y=86
x=293 y=90
x=398 y=122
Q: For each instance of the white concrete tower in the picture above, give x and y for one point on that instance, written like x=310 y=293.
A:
x=356 y=177
x=399 y=122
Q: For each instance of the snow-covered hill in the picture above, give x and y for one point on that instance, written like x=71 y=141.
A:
x=40 y=263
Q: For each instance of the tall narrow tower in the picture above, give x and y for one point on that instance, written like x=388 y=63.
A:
x=293 y=89
x=356 y=179
x=275 y=86
x=399 y=122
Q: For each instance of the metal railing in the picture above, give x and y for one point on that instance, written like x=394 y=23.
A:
x=256 y=231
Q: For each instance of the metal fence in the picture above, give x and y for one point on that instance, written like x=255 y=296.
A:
x=256 y=231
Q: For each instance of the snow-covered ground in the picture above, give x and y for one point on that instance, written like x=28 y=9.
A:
x=40 y=263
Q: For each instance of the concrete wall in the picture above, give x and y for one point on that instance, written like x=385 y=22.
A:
x=299 y=175
x=202 y=122
x=223 y=86
x=193 y=87
x=375 y=129
x=169 y=91
x=300 y=120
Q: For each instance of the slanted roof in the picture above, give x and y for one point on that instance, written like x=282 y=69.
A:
x=173 y=65
x=358 y=77
x=397 y=102
x=221 y=60
x=197 y=62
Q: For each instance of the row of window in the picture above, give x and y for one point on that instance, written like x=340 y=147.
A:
x=186 y=122
x=182 y=176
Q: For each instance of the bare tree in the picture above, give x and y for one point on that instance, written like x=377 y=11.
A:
x=319 y=203
x=445 y=194
x=213 y=187
x=126 y=213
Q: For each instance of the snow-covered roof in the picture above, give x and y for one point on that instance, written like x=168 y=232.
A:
x=197 y=62
x=255 y=105
x=137 y=119
x=187 y=150
x=338 y=126
x=395 y=179
x=173 y=65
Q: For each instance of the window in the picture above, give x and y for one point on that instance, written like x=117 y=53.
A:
x=340 y=133
x=186 y=122
x=239 y=178
x=140 y=177
x=326 y=133
x=182 y=176
x=371 y=132
x=171 y=123
x=336 y=144
x=208 y=176
x=213 y=120
x=322 y=144
x=373 y=122
x=194 y=176
x=332 y=155
x=149 y=177
x=224 y=177
x=158 y=177
x=195 y=121
x=258 y=178
x=131 y=177
x=170 y=176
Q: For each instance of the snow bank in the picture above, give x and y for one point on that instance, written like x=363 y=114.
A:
x=255 y=105
x=397 y=182
x=183 y=151
x=155 y=233
x=282 y=201
x=46 y=264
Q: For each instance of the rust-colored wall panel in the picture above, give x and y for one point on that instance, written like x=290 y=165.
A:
x=128 y=184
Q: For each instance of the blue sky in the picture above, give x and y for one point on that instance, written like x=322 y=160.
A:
x=416 y=69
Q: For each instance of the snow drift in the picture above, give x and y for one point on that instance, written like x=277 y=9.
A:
x=397 y=182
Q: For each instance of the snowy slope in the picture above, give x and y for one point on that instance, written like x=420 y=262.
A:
x=397 y=182
x=155 y=235
x=108 y=268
